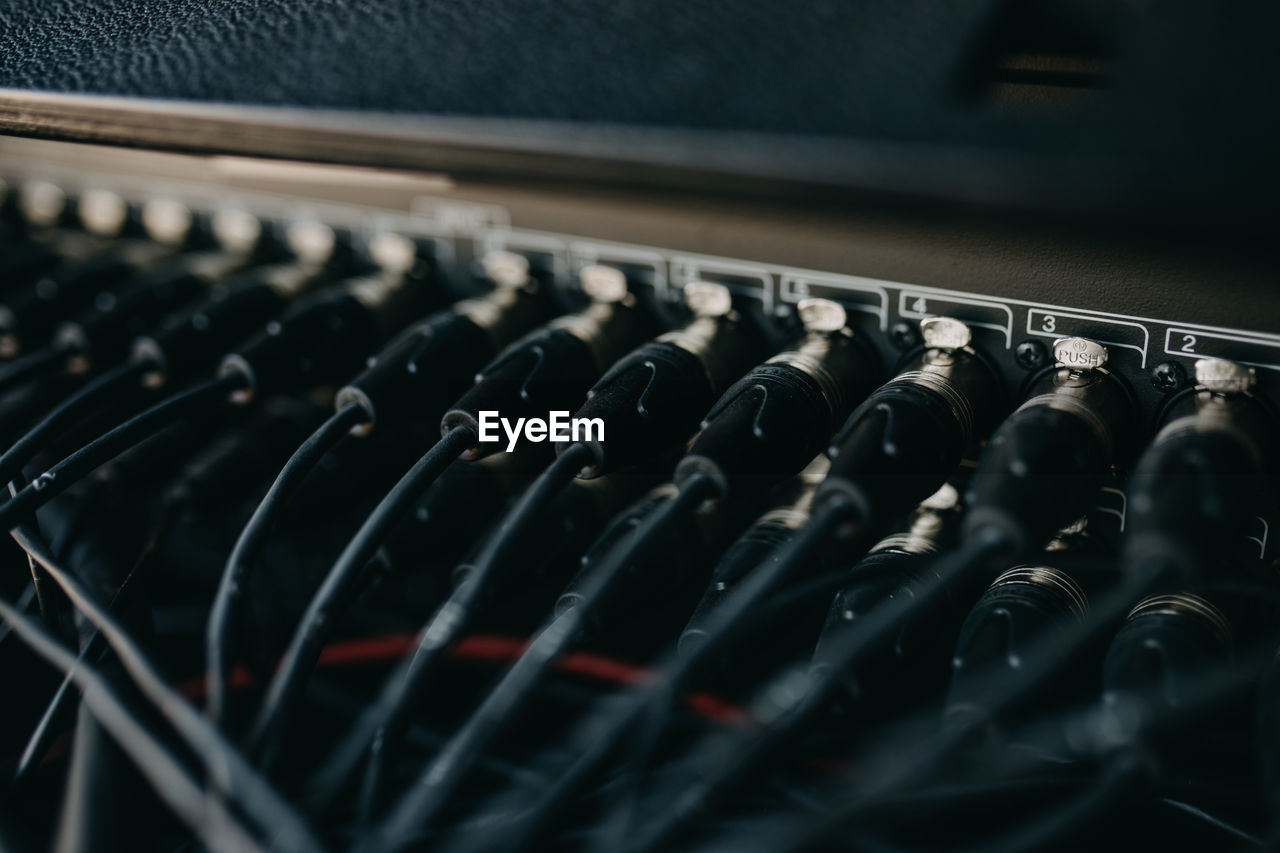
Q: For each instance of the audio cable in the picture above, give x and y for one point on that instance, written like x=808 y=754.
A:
x=1040 y=470
x=585 y=598
x=1070 y=399
x=1118 y=736
x=1043 y=467
x=1179 y=508
x=578 y=512
x=1163 y=543
x=321 y=336
x=216 y=824
x=103 y=333
x=30 y=314
x=227 y=464
x=549 y=369
x=651 y=399
x=1166 y=641
x=889 y=566
x=399 y=381
x=789 y=700
x=896 y=449
x=221 y=761
x=1152 y=678
x=592 y=598
x=780 y=414
x=754 y=546
x=187 y=341
x=795 y=396
x=94 y=286
x=1206 y=473
x=1024 y=606
x=64 y=474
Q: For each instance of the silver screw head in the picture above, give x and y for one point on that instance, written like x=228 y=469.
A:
x=1079 y=353
x=506 y=269
x=394 y=253
x=166 y=220
x=822 y=315
x=236 y=230
x=603 y=283
x=708 y=299
x=1225 y=377
x=41 y=202
x=312 y=241
x=103 y=212
x=945 y=333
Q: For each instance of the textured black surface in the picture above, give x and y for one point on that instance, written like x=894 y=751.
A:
x=1183 y=73
x=913 y=98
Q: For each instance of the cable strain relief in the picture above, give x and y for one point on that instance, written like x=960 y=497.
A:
x=350 y=395
x=693 y=466
x=839 y=490
x=234 y=364
x=592 y=469
x=457 y=419
x=148 y=353
x=998 y=529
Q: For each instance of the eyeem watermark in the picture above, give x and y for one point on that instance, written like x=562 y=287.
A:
x=558 y=426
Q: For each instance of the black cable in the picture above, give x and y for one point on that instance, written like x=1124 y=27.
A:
x=1214 y=821
x=1064 y=819
x=599 y=736
x=30 y=367
x=299 y=659
x=443 y=628
x=24 y=602
x=898 y=447
x=222 y=762
x=40 y=736
x=432 y=788
x=527 y=510
x=900 y=759
x=70 y=470
x=841 y=655
x=216 y=826
x=231 y=585
x=49 y=603
x=905 y=762
x=66 y=413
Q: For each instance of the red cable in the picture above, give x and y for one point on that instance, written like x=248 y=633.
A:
x=484 y=647
x=476 y=647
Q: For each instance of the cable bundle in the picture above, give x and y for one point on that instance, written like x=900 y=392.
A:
x=270 y=589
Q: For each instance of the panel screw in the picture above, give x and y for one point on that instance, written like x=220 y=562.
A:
x=1031 y=355
x=904 y=336
x=1168 y=376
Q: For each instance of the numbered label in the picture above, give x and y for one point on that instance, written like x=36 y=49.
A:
x=856 y=294
x=975 y=312
x=1198 y=343
x=1113 y=333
